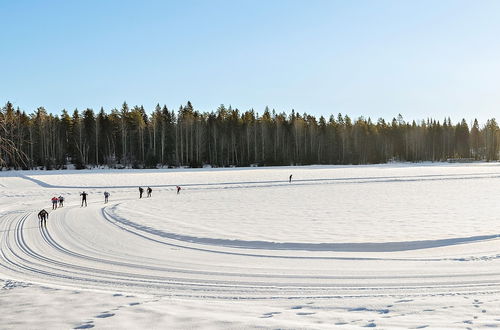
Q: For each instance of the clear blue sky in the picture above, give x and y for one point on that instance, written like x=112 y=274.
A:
x=371 y=58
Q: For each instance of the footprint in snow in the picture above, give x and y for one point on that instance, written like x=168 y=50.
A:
x=268 y=315
x=296 y=307
x=370 y=325
x=305 y=313
x=404 y=300
x=87 y=325
x=422 y=326
x=134 y=304
x=9 y=284
x=358 y=309
x=105 y=315
x=117 y=295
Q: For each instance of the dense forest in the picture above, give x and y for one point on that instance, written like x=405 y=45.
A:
x=130 y=137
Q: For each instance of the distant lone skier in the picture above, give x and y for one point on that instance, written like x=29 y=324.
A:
x=290 y=179
x=149 y=191
x=84 y=198
x=106 y=196
x=140 y=192
x=43 y=216
x=61 y=201
x=55 y=200
x=178 y=190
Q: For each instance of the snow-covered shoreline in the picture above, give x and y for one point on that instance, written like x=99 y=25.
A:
x=183 y=169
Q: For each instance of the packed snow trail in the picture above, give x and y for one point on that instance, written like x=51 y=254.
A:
x=81 y=247
x=152 y=247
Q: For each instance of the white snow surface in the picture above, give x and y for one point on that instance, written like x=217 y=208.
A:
x=386 y=246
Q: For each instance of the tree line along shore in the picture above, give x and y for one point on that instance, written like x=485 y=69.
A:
x=130 y=137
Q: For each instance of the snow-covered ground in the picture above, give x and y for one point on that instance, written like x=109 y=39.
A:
x=386 y=246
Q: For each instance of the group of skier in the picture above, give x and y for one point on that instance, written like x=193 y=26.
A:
x=44 y=215
x=57 y=200
x=84 y=197
x=141 y=191
x=149 y=191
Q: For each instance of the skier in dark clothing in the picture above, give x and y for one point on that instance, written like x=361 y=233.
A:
x=61 y=201
x=290 y=179
x=43 y=216
x=106 y=196
x=149 y=191
x=84 y=198
x=140 y=192
x=178 y=190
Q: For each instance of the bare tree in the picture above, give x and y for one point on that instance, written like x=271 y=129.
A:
x=9 y=152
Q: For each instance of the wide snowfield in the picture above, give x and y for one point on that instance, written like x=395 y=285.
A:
x=387 y=246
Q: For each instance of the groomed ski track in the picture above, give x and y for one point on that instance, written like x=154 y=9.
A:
x=93 y=248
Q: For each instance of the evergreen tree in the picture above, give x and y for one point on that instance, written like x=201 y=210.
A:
x=229 y=137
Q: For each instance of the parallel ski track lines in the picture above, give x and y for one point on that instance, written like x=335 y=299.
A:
x=19 y=256
x=57 y=255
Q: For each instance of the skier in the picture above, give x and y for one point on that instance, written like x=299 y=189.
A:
x=290 y=179
x=55 y=200
x=43 y=216
x=178 y=189
x=106 y=196
x=149 y=190
x=84 y=198
x=61 y=201
x=140 y=192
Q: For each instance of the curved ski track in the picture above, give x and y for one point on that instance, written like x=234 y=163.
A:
x=91 y=248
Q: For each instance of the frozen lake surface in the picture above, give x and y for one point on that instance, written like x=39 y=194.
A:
x=391 y=246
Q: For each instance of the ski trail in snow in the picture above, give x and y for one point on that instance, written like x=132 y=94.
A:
x=262 y=255
x=70 y=253
x=272 y=183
